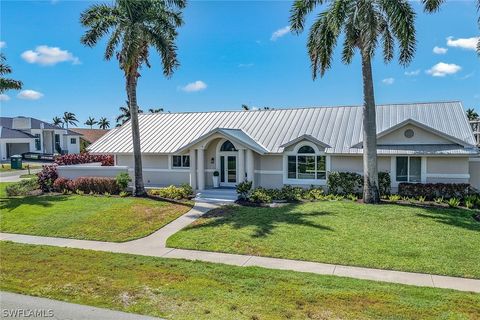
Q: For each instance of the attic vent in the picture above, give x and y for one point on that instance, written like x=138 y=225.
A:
x=409 y=133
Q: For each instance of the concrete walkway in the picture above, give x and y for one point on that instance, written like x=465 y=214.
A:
x=155 y=245
x=14 y=175
x=19 y=306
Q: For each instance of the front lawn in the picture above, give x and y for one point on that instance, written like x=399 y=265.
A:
x=5 y=167
x=86 y=217
x=178 y=289
x=406 y=238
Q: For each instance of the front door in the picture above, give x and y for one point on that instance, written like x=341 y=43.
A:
x=228 y=170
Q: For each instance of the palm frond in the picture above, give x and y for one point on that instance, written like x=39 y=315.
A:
x=299 y=12
x=432 y=5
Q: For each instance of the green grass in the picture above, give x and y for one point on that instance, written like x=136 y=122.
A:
x=32 y=175
x=407 y=238
x=3 y=192
x=178 y=289
x=86 y=217
x=5 y=167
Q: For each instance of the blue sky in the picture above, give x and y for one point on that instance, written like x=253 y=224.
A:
x=228 y=57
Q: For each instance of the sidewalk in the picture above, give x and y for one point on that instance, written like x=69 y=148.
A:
x=155 y=245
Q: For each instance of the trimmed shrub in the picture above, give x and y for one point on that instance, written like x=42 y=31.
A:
x=71 y=159
x=243 y=189
x=123 y=179
x=430 y=191
x=173 y=192
x=384 y=183
x=61 y=184
x=188 y=190
x=290 y=193
x=47 y=177
x=22 y=188
x=313 y=194
x=96 y=185
x=345 y=183
x=260 y=195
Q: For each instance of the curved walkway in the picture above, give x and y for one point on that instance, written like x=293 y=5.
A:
x=155 y=245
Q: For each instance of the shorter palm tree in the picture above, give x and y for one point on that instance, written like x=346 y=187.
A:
x=472 y=114
x=90 y=122
x=153 y=110
x=245 y=107
x=125 y=114
x=103 y=123
x=69 y=118
x=56 y=121
x=7 y=84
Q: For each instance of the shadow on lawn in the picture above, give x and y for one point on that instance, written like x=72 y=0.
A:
x=263 y=219
x=10 y=204
x=454 y=217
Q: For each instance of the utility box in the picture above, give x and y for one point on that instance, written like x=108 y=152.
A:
x=16 y=162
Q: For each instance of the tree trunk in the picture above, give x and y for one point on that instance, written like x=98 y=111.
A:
x=370 y=170
x=139 y=189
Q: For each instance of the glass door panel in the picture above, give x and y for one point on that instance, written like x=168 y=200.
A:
x=232 y=169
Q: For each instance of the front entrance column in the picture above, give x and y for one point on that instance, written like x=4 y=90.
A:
x=201 y=169
x=249 y=165
x=193 y=170
x=241 y=165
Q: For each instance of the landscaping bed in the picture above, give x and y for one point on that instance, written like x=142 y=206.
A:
x=178 y=289
x=387 y=236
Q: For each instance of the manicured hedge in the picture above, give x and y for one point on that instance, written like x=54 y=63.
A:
x=345 y=183
x=71 y=159
x=47 y=177
x=434 y=190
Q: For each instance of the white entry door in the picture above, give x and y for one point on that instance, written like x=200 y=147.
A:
x=228 y=170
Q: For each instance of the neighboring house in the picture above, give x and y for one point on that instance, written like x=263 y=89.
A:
x=21 y=135
x=424 y=142
x=89 y=136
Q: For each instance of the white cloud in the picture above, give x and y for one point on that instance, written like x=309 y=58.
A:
x=3 y=44
x=412 y=73
x=195 y=86
x=280 y=33
x=49 y=56
x=388 y=81
x=464 y=43
x=30 y=95
x=4 y=97
x=442 y=69
x=439 y=50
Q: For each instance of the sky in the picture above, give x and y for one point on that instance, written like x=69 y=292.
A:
x=231 y=53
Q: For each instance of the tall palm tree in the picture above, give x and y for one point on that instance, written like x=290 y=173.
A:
x=103 y=123
x=153 y=110
x=434 y=6
x=364 y=23
x=90 y=122
x=133 y=27
x=7 y=84
x=56 y=121
x=124 y=115
x=472 y=114
x=69 y=118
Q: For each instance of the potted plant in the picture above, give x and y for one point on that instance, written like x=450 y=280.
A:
x=216 y=183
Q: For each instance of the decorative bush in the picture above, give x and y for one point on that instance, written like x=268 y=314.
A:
x=173 y=192
x=344 y=182
x=434 y=190
x=61 y=184
x=260 y=195
x=47 y=177
x=123 y=179
x=96 y=185
x=384 y=183
x=290 y=193
x=22 y=188
x=71 y=159
x=314 y=194
x=243 y=189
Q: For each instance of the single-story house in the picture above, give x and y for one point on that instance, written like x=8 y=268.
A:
x=417 y=142
x=21 y=135
x=89 y=136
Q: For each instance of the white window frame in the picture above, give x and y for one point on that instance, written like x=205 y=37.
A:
x=74 y=140
x=393 y=169
x=181 y=162
x=318 y=152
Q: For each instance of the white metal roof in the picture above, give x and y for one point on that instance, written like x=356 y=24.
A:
x=338 y=127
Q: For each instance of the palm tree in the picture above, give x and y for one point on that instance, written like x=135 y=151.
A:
x=69 y=118
x=245 y=107
x=133 y=27
x=434 y=6
x=90 y=122
x=124 y=115
x=7 y=84
x=103 y=123
x=57 y=121
x=472 y=114
x=364 y=23
x=153 y=110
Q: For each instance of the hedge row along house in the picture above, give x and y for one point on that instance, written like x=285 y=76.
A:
x=417 y=142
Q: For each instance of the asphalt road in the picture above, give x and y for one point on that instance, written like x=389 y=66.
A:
x=18 y=306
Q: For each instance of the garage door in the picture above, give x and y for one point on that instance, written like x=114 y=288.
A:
x=17 y=148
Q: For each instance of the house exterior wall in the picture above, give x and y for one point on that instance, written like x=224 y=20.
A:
x=447 y=170
x=22 y=142
x=474 y=170
x=73 y=147
x=421 y=136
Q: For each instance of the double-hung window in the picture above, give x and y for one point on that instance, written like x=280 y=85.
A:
x=409 y=169
x=181 y=161
x=38 y=145
x=306 y=165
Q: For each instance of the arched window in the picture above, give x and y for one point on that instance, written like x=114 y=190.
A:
x=227 y=146
x=307 y=165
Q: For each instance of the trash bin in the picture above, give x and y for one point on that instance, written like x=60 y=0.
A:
x=16 y=162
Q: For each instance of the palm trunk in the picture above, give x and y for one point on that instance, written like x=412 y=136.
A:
x=139 y=189
x=370 y=171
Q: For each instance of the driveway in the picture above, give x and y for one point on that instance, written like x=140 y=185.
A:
x=14 y=175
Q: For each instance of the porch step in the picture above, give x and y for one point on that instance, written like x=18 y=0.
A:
x=217 y=195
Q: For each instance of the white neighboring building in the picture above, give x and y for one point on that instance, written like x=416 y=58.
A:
x=419 y=142
x=21 y=135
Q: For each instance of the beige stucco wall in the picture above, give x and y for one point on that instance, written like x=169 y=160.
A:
x=148 y=161
x=164 y=178
x=269 y=180
x=420 y=137
x=268 y=162
x=475 y=173
x=447 y=165
x=355 y=164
